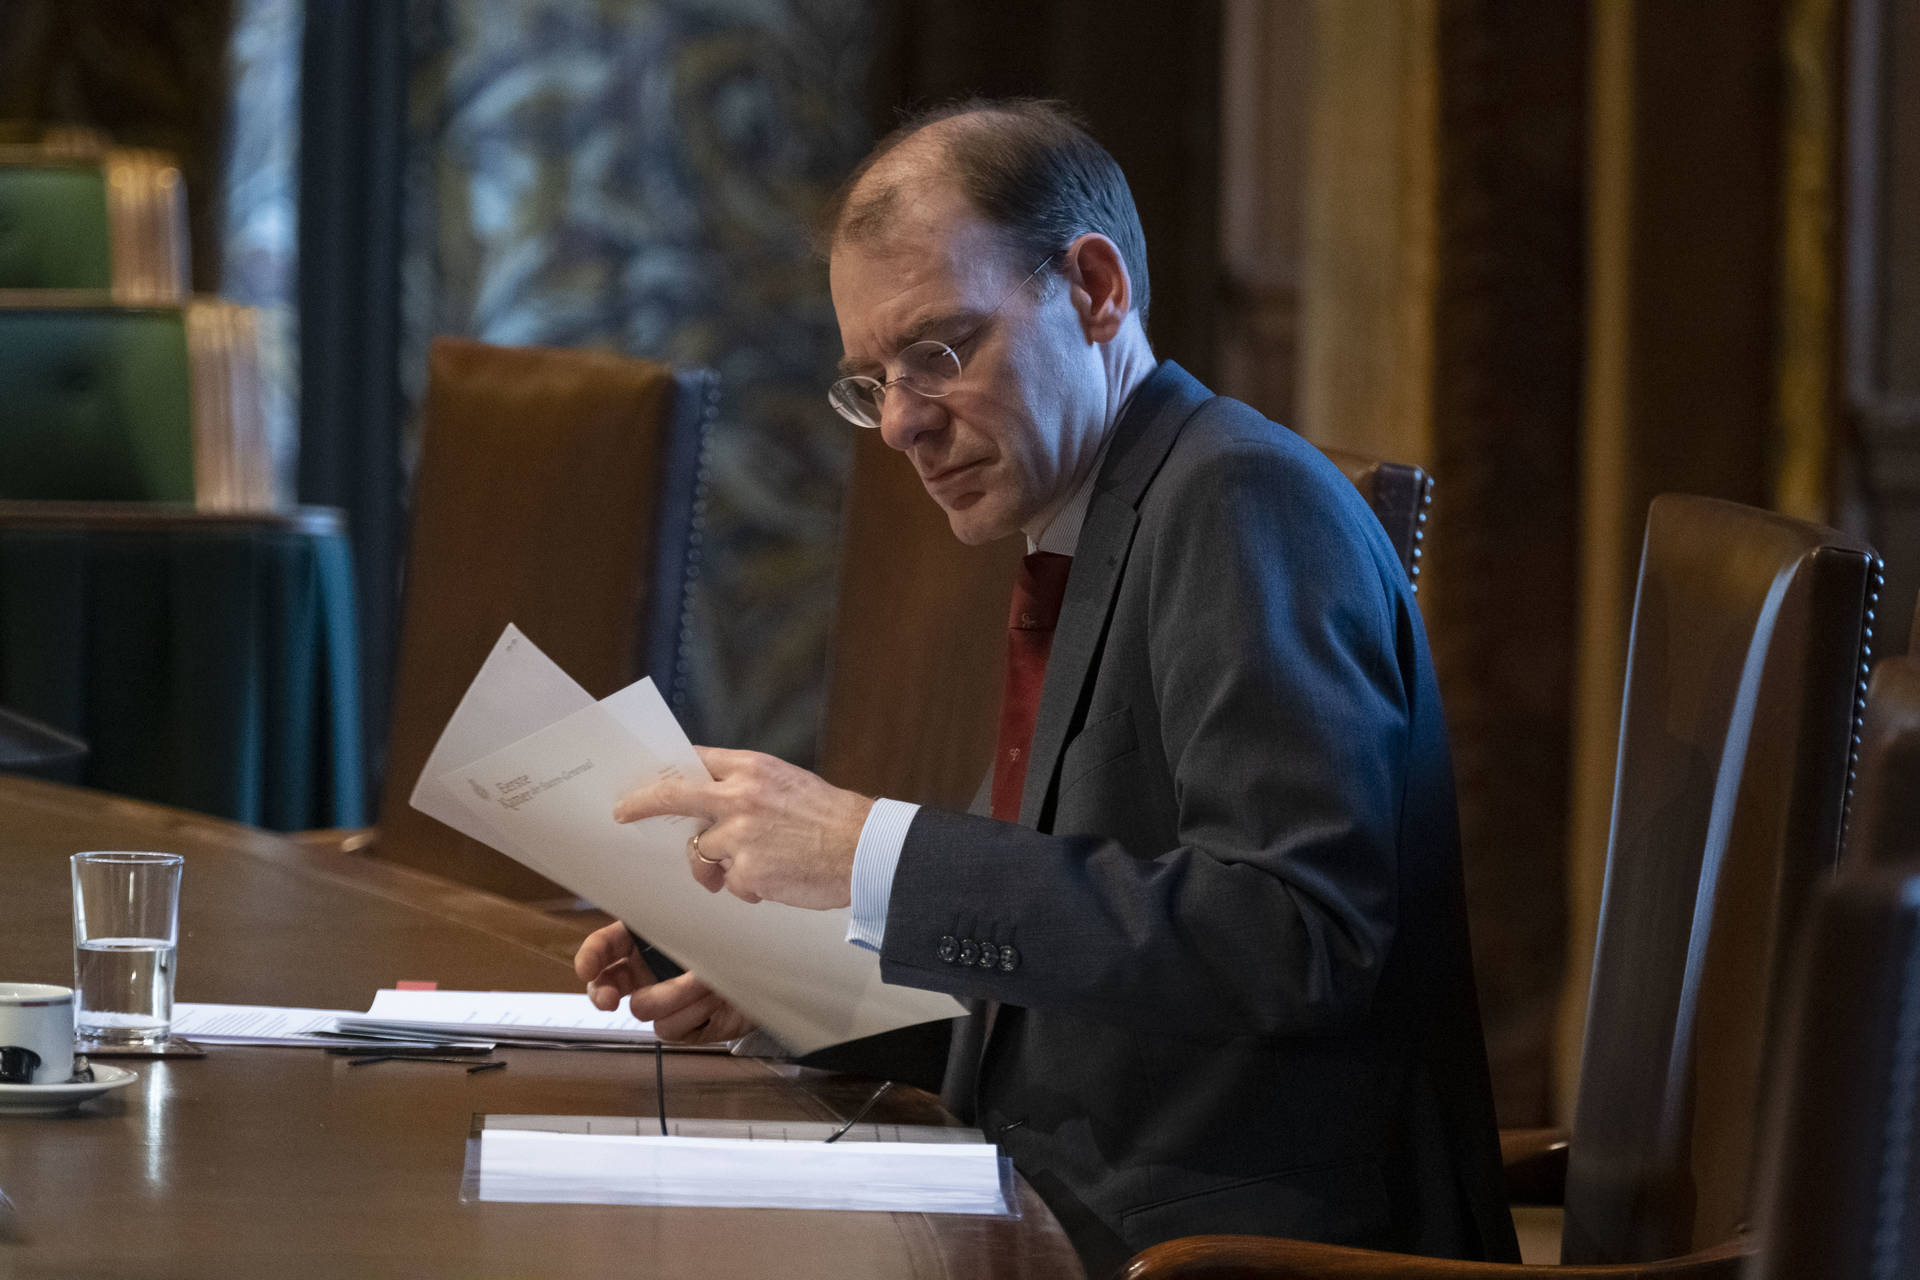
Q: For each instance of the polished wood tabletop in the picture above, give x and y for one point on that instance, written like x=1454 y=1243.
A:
x=285 y=1162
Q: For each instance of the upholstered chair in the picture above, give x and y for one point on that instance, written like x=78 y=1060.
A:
x=913 y=687
x=1399 y=494
x=560 y=491
x=94 y=217
x=1837 y=1196
x=1743 y=686
x=110 y=403
x=1885 y=826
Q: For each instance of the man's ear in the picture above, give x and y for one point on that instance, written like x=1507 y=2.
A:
x=1098 y=284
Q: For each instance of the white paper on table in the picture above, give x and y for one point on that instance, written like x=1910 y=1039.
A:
x=898 y=1177
x=552 y=795
x=648 y=1126
x=252 y=1024
x=527 y=1015
x=518 y=691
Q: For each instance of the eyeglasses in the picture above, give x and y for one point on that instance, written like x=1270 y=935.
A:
x=928 y=368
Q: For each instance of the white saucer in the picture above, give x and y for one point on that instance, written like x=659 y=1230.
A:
x=52 y=1099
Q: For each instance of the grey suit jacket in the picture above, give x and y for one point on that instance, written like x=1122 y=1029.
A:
x=1227 y=940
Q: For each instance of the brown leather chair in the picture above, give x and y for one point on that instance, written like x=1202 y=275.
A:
x=1399 y=494
x=557 y=490
x=1743 y=680
x=1839 y=1195
x=1884 y=826
x=920 y=638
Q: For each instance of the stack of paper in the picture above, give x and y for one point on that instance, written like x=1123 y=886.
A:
x=895 y=1177
x=504 y=1017
x=422 y=1019
x=254 y=1024
x=531 y=765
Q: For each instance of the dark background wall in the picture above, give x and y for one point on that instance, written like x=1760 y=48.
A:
x=1146 y=77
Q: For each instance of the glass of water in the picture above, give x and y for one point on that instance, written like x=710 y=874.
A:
x=126 y=927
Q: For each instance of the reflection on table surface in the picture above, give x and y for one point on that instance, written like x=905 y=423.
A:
x=290 y=1162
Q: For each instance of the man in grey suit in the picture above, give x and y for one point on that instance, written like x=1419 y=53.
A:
x=1216 y=933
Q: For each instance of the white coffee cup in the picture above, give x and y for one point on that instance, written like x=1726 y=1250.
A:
x=37 y=1019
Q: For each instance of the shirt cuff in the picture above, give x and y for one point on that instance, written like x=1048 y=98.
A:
x=874 y=860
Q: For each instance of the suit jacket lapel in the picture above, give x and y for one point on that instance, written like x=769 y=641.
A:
x=1159 y=408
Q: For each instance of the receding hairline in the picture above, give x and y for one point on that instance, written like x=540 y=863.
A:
x=891 y=176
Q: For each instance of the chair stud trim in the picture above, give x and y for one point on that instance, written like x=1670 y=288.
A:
x=1420 y=530
x=1876 y=581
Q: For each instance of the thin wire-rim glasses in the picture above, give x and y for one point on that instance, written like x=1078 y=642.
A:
x=928 y=368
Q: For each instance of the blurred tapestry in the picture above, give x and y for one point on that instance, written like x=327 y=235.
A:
x=259 y=206
x=642 y=175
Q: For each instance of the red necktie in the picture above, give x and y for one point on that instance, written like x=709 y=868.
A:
x=1037 y=592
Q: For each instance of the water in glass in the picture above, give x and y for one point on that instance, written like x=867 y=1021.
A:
x=125 y=989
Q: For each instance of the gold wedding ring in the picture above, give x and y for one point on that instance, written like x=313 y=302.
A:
x=693 y=847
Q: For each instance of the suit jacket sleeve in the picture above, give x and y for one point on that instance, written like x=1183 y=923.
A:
x=1278 y=645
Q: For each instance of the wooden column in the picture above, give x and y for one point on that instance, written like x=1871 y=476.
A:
x=1683 y=245
x=1881 y=366
x=1441 y=323
x=1265 y=106
x=1366 y=304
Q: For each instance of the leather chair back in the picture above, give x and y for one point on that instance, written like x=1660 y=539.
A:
x=1744 y=674
x=1842 y=1170
x=1884 y=827
x=111 y=403
x=556 y=490
x=919 y=641
x=93 y=217
x=919 y=644
x=1399 y=494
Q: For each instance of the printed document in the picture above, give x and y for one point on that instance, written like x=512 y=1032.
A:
x=544 y=766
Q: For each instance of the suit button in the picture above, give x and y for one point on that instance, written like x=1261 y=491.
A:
x=988 y=954
x=949 y=947
x=969 y=951
x=1009 y=959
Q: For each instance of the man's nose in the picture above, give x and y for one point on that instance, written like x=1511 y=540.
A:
x=907 y=417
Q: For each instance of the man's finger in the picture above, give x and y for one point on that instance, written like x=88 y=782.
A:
x=723 y=762
x=678 y=1024
x=679 y=797
x=607 y=945
x=650 y=1004
x=707 y=864
x=616 y=980
x=727 y=1023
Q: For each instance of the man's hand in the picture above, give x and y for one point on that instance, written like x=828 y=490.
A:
x=776 y=831
x=683 y=1010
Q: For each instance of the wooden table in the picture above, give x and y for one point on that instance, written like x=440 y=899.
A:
x=287 y=1162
